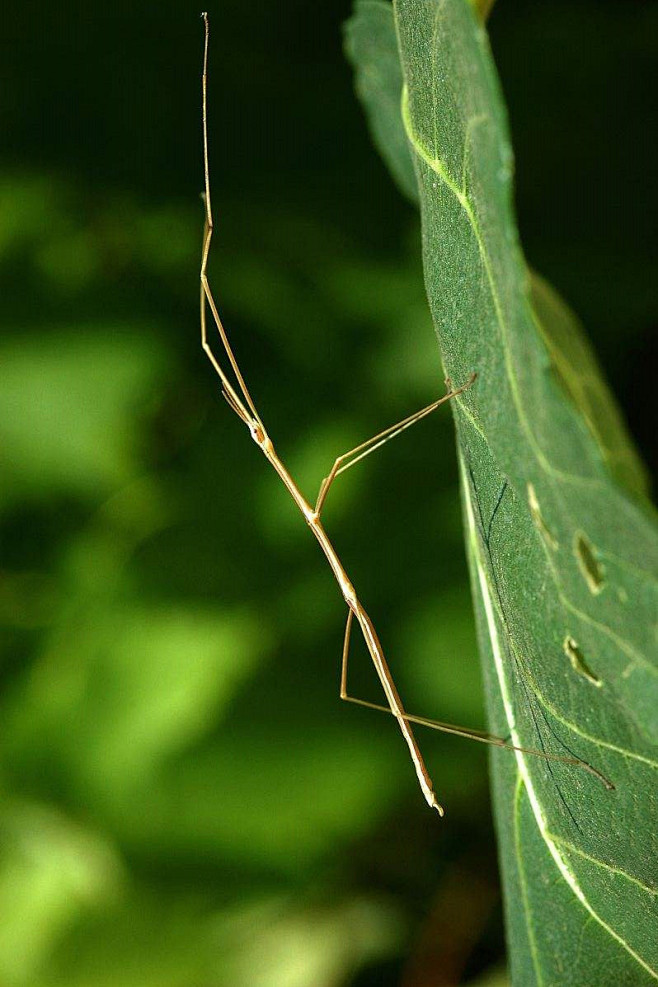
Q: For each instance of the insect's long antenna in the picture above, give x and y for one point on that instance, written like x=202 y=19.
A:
x=248 y=414
x=204 y=124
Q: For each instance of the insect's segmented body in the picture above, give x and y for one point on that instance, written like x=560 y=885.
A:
x=371 y=639
x=239 y=399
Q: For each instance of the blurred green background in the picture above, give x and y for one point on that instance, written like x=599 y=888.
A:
x=185 y=801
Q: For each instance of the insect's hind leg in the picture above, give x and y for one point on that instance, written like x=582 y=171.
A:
x=481 y=736
x=343 y=670
x=343 y=678
x=348 y=459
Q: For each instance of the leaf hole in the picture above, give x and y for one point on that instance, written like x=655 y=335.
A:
x=538 y=519
x=578 y=663
x=588 y=563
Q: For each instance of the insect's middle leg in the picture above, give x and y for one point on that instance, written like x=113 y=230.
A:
x=348 y=459
x=364 y=702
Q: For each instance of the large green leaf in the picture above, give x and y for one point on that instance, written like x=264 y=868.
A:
x=563 y=553
x=371 y=46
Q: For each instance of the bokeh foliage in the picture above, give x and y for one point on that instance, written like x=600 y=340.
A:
x=184 y=798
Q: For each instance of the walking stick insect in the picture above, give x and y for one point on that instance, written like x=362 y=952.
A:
x=239 y=400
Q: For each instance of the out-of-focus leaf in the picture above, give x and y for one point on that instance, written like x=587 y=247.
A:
x=119 y=691
x=492 y=978
x=171 y=940
x=67 y=409
x=158 y=681
x=429 y=671
x=318 y=946
x=51 y=870
x=26 y=201
x=575 y=366
x=372 y=48
x=273 y=796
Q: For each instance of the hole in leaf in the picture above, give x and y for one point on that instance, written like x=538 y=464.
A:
x=578 y=663
x=589 y=565
x=538 y=519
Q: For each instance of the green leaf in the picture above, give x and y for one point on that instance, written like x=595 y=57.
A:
x=563 y=556
x=370 y=38
x=67 y=406
x=372 y=48
x=575 y=366
x=51 y=870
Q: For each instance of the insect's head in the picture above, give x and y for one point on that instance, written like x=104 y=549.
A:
x=257 y=431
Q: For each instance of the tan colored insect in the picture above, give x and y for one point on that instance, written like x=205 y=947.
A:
x=239 y=399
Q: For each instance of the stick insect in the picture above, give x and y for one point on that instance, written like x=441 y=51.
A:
x=240 y=401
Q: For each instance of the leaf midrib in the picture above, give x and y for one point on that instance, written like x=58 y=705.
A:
x=438 y=167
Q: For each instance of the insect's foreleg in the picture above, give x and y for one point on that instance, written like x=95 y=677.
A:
x=241 y=403
x=227 y=388
x=348 y=459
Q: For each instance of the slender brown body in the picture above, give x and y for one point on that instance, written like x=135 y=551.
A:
x=365 y=623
